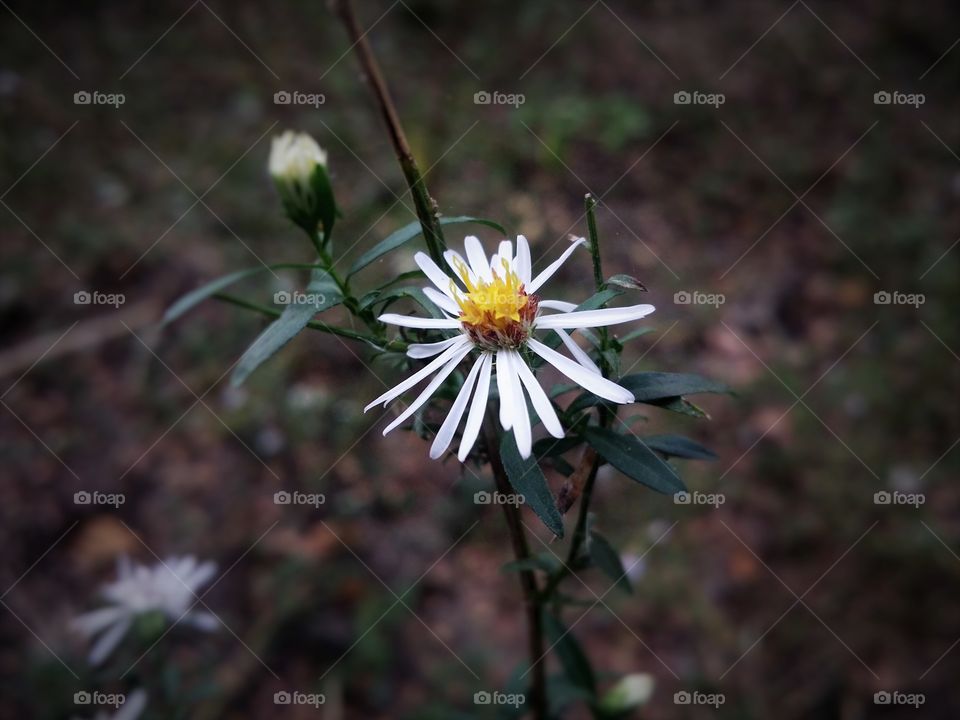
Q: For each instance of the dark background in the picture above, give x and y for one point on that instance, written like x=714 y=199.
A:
x=797 y=200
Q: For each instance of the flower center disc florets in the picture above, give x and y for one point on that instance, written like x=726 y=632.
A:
x=496 y=314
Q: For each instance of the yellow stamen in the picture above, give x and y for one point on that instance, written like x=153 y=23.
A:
x=494 y=305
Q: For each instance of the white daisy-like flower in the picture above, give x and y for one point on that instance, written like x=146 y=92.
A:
x=493 y=304
x=169 y=587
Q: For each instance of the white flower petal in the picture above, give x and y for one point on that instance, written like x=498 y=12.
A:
x=419 y=322
x=200 y=574
x=554 y=266
x=596 y=384
x=201 y=620
x=431 y=388
x=505 y=389
x=422 y=373
x=425 y=350
x=477 y=257
x=477 y=408
x=522 y=261
x=437 y=276
x=450 y=424
x=594 y=318
x=505 y=250
x=442 y=301
x=521 y=418
x=89 y=624
x=453 y=257
x=578 y=353
x=541 y=403
x=558 y=305
x=108 y=642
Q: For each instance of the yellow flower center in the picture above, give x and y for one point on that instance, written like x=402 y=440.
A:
x=498 y=312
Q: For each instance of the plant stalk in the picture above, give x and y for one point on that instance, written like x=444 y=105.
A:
x=426 y=206
x=528 y=581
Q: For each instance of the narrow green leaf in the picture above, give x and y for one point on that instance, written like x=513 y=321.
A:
x=551 y=446
x=629 y=455
x=656 y=388
x=528 y=480
x=572 y=658
x=626 y=281
x=655 y=385
x=195 y=297
x=606 y=558
x=634 y=334
x=293 y=319
x=680 y=405
x=408 y=233
x=679 y=446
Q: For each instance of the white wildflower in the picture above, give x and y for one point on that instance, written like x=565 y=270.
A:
x=493 y=304
x=169 y=587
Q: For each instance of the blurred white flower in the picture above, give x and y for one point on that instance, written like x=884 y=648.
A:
x=132 y=708
x=294 y=157
x=169 y=587
x=629 y=693
x=493 y=305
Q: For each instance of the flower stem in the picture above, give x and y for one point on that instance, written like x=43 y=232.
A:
x=605 y=418
x=426 y=206
x=528 y=582
x=590 y=203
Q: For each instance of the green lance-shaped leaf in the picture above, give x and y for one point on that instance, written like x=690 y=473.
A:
x=321 y=294
x=606 y=558
x=629 y=455
x=657 y=388
x=679 y=446
x=626 y=281
x=528 y=480
x=572 y=658
x=195 y=297
x=409 y=232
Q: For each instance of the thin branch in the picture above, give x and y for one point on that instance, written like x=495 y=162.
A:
x=426 y=206
x=528 y=582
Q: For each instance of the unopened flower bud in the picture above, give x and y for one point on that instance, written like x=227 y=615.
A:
x=298 y=166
